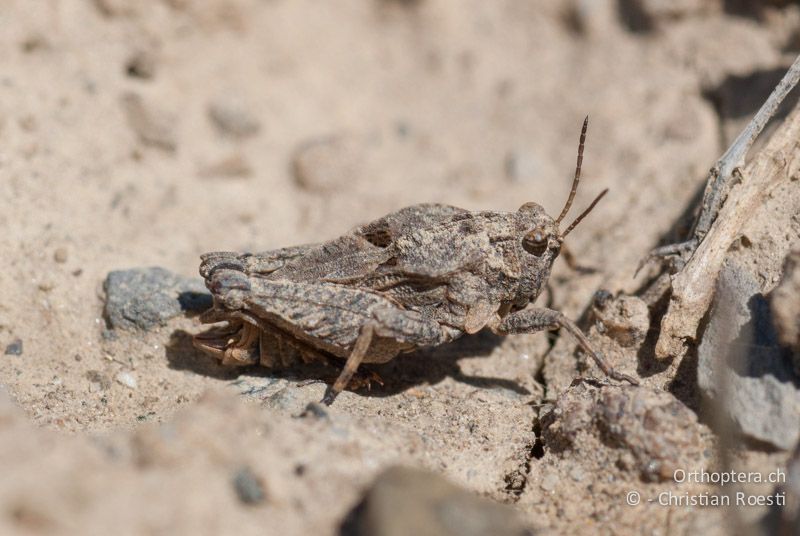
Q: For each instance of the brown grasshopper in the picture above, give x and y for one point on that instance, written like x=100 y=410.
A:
x=419 y=277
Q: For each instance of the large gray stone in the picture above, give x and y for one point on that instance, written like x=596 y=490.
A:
x=147 y=297
x=742 y=369
x=414 y=501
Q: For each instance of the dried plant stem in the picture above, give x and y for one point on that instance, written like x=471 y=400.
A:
x=693 y=285
x=721 y=174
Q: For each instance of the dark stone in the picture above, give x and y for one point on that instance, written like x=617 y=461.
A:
x=14 y=348
x=248 y=486
x=147 y=297
x=142 y=64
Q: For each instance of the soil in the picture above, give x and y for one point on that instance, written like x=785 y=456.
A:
x=137 y=134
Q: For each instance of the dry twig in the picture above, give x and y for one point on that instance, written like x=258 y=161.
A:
x=718 y=224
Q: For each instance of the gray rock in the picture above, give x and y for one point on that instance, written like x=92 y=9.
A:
x=14 y=347
x=147 y=297
x=742 y=368
x=414 y=501
x=248 y=486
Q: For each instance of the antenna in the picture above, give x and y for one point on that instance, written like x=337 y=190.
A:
x=577 y=178
x=584 y=213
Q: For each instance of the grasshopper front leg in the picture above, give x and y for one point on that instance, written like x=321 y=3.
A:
x=538 y=319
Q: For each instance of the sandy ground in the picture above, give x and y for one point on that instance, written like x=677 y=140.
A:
x=146 y=133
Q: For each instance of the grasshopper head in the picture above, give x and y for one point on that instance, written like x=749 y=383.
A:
x=541 y=236
x=538 y=245
x=544 y=233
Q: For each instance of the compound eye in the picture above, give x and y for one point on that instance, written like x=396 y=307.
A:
x=535 y=243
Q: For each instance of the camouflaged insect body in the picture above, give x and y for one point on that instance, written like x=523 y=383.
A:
x=418 y=277
x=449 y=270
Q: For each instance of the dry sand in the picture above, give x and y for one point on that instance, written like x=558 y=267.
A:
x=146 y=133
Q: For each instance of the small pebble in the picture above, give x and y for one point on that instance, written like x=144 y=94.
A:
x=577 y=474
x=141 y=64
x=46 y=286
x=60 y=255
x=233 y=116
x=15 y=348
x=549 y=482
x=248 y=486
x=127 y=379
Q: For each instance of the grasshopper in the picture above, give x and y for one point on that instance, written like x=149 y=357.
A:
x=418 y=277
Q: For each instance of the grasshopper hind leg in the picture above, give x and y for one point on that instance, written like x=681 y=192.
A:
x=351 y=365
x=236 y=343
x=280 y=350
